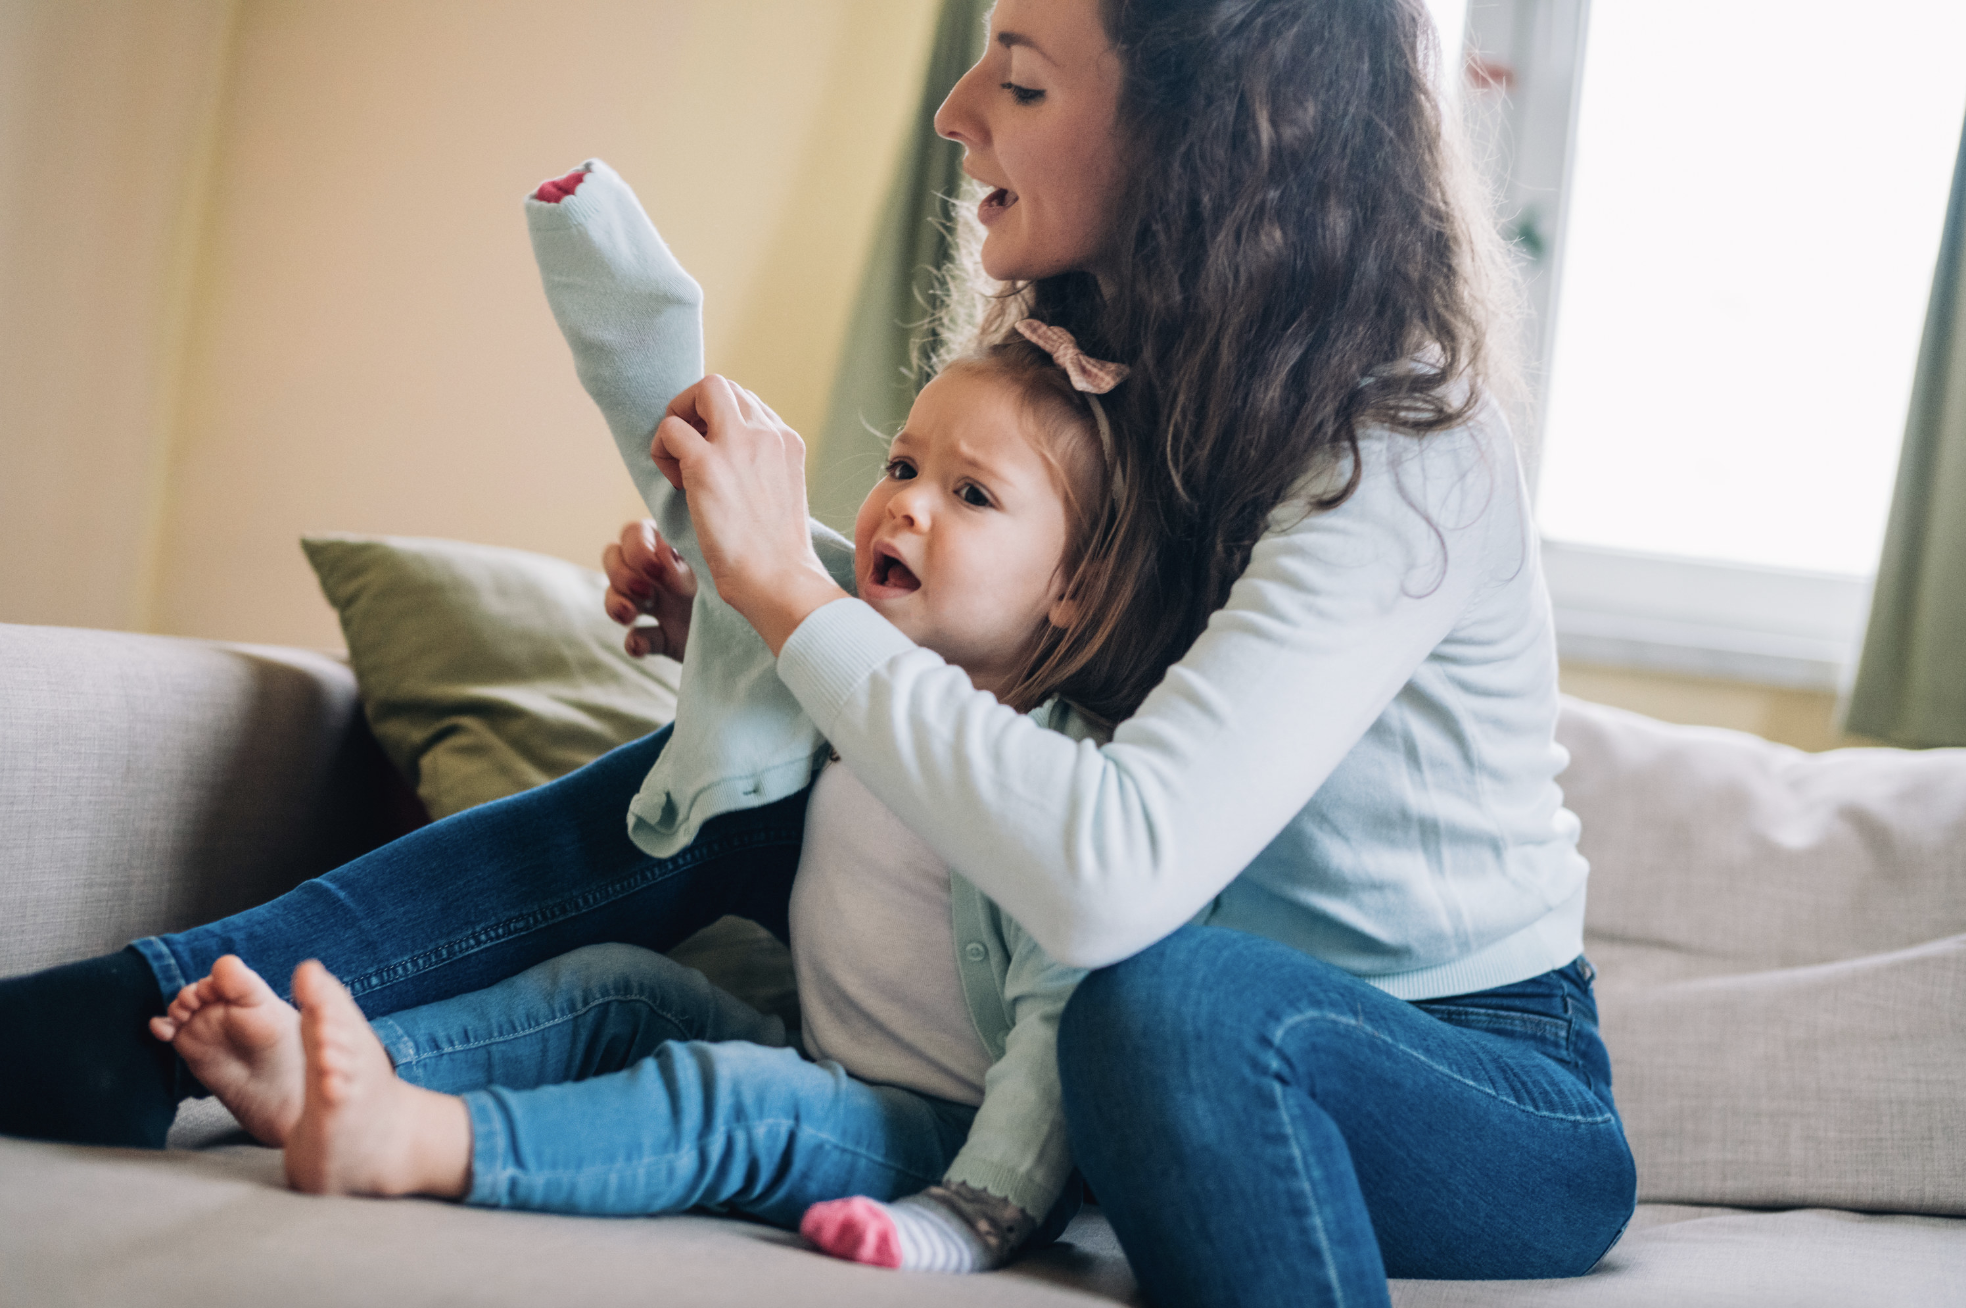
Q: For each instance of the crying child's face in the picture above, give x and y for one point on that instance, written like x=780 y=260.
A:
x=960 y=544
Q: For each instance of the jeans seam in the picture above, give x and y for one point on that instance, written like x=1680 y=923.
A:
x=659 y=870
x=1449 y=1073
x=560 y=1019
x=163 y=964
x=488 y=1144
x=1279 y=1085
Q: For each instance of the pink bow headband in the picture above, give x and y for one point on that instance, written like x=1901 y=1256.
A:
x=1092 y=377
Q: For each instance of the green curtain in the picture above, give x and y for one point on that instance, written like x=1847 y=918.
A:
x=877 y=379
x=1911 y=681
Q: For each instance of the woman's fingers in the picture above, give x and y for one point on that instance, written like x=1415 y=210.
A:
x=675 y=443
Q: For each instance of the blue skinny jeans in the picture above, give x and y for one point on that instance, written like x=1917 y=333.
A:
x=614 y=1080
x=1263 y=1128
x=481 y=896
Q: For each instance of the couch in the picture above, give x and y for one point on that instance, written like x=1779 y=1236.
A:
x=1780 y=940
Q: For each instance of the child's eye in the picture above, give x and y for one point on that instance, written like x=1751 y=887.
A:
x=900 y=469
x=974 y=495
x=1023 y=94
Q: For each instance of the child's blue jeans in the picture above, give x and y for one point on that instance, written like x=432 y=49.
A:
x=614 y=1080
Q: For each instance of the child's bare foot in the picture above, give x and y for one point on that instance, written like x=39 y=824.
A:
x=363 y=1129
x=243 y=1042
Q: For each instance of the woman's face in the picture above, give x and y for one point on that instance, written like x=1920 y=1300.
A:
x=1036 y=117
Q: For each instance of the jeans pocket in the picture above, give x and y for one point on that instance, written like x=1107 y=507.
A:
x=1547 y=1033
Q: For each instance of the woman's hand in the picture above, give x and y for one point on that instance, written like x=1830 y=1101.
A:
x=647 y=578
x=743 y=470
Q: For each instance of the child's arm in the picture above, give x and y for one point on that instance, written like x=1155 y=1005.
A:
x=1016 y=1147
x=1015 y=1164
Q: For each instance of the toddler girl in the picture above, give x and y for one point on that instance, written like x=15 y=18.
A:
x=613 y=1080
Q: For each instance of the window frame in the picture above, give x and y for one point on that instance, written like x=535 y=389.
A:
x=1523 y=63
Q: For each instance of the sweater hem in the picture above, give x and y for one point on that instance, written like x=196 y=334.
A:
x=665 y=836
x=1006 y=1181
x=1550 y=942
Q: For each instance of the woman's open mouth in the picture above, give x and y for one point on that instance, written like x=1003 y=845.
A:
x=891 y=574
x=994 y=204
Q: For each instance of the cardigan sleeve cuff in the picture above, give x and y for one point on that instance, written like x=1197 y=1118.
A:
x=833 y=652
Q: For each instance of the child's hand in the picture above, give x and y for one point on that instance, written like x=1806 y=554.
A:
x=646 y=577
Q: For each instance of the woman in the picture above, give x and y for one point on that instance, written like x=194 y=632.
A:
x=1377 y=1053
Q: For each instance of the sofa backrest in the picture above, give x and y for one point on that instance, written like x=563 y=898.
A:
x=149 y=783
x=1780 y=939
x=1714 y=852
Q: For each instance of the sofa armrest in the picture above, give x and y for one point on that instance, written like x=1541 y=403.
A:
x=148 y=783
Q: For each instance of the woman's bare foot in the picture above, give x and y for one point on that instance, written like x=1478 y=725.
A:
x=243 y=1042
x=363 y=1129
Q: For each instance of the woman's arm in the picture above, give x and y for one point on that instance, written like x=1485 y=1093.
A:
x=1100 y=851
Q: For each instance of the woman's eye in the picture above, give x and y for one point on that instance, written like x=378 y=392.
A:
x=974 y=495
x=900 y=469
x=1023 y=94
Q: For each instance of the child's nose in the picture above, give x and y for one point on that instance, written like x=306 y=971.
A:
x=910 y=505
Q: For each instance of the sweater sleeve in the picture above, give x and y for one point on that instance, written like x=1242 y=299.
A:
x=1099 y=851
x=633 y=318
x=1016 y=1147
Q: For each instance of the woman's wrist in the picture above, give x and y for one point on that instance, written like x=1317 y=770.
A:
x=775 y=610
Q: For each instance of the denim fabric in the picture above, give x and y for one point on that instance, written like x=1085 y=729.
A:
x=489 y=892
x=1265 y=1128
x=614 y=1080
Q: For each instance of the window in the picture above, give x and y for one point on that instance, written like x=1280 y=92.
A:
x=1729 y=212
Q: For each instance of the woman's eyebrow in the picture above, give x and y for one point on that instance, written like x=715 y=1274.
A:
x=1009 y=39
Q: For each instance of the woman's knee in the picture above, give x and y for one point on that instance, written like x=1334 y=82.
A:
x=1128 y=1028
x=1198 y=988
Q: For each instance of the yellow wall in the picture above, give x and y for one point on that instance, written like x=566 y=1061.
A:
x=274 y=278
x=265 y=273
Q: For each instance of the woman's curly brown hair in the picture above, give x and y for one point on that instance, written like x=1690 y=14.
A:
x=1299 y=257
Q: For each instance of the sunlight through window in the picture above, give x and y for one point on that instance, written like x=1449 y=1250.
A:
x=1757 y=197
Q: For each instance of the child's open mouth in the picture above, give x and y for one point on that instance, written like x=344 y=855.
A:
x=890 y=573
x=994 y=204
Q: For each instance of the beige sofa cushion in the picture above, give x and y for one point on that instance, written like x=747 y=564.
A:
x=1781 y=943
x=216 y=1229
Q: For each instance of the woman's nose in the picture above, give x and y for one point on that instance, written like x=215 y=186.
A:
x=957 y=118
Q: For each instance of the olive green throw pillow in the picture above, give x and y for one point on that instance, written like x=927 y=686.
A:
x=485 y=671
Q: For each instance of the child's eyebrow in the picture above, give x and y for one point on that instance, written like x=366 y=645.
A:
x=994 y=473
